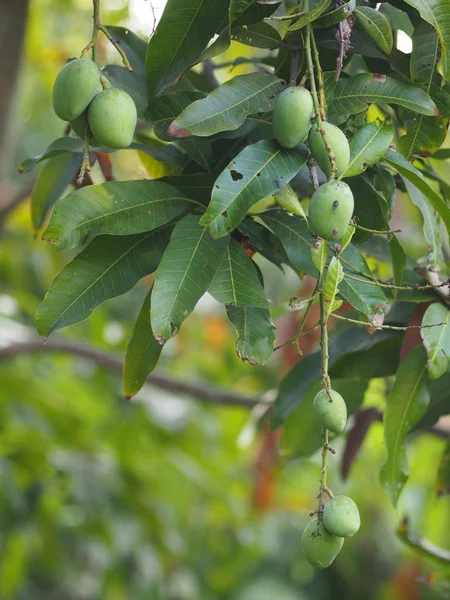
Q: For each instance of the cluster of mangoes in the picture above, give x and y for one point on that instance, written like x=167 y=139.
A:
x=108 y=115
x=331 y=206
x=324 y=536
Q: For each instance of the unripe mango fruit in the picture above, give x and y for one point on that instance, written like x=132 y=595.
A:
x=330 y=210
x=292 y=115
x=79 y=126
x=332 y=414
x=320 y=547
x=341 y=516
x=338 y=143
x=112 y=118
x=75 y=86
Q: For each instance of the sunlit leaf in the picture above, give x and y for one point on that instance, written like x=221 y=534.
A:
x=443 y=474
x=368 y=146
x=257 y=35
x=376 y=25
x=255 y=331
x=436 y=339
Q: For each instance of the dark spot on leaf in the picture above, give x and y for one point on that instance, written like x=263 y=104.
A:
x=379 y=77
x=235 y=175
x=217 y=187
x=208 y=267
x=225 y=214
x=277 y=183
x=258 y=174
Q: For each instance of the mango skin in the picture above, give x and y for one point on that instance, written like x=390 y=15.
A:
x=79 y=126
x=341 y=516
x=339 y=145
x=332 y=415
x=330 y=210
x=320 y=547
x=75 y=86
x=112 y=118
x=292 y=115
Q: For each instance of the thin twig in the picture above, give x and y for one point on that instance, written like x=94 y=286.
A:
x=340 y=58
x=378 y=326
x=319 y=78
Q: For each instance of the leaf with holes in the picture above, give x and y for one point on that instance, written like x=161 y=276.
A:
x=142 y=353
x=405 y=406
x=236 y=280
x=53 y=179
x=315 y=9
x=226 y=107
x=255 y=173
x=255 y=331
x=115 y=207
x=297 y=239
x=431 y=225
x=353 y=94
x=185 y=273
x=183 y=32
x=368 y=146
x=334 y=276
x=108 y=267
x=376 y=25
x=436 y=339
x=257 y=35
x=413 y=175
x=437 y=13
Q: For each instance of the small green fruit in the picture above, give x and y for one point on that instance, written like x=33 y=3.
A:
x=338 y=143
x=75 y=86
x=341 y=516
x=332 y=415
x=330 y=210
x=320 y=547
x=112 y=118
x=79 y=126
x=292 y=115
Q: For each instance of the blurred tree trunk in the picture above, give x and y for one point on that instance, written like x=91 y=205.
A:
x=13 y=17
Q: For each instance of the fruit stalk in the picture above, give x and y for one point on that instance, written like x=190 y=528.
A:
x=312 y=80
x=319 y=78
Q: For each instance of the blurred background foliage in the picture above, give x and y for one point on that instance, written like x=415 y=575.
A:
x=167 y=497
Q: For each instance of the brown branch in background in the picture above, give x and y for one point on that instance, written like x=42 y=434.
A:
x=201 y=391
x=10 y=200
x=105 y=164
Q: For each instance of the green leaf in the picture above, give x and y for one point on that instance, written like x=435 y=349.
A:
x=313 y=12
x=115 y=207
x=255 y=173
x=319 y=254
x=367 y=298
x=134 y=47
x=193 y=185
x=437 y=13
x=183 y=32
x=255 y=331
x=413 y=175
x=436 y=339
x=53 y=179
x=425 y=55
x=443 y=475
x=376 y=25
x=368 y=146
x=371 y=208
x=333 y=17
x=334 y=276
x=226 y=107
x=184 y=275
x=405 y=406
x=244 y=12
x=142 y=353
x=352 y=94
x=422 y=546
x=288 y=199
x=257 y=35
x=294 y=234
x=162 y=111
x=431 y=225
x=423 y=134
x=398 y=256
x=59 y=146
x=200 y=151
x=264 y=241
x=108 y=267
x=236 y=280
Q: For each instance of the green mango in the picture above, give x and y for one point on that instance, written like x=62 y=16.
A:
x=320 y=547
x=112 y=118
x=332 y=415
x=292 y=115
x=330 y=210
x=341 y=516
x=79 y=126
x=75 y=86
x=338 y=143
